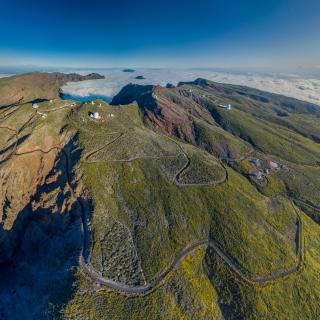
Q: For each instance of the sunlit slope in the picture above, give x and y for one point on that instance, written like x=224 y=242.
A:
x=260 y=125
x=36 y=86
x=157 y=195
x=191 y=210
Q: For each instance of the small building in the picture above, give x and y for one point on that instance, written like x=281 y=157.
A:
x=92 y=102
x=51 y=101
x=274 y=165
x=95 y=115
x=227 y=106
x=42 y=114
x=69 y=104
x=35 y=106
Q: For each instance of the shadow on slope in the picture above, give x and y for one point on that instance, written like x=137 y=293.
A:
x=42 y=248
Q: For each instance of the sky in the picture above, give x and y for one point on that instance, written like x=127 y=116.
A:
x=277 y=34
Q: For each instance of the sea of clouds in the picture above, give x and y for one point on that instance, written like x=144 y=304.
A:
x=297 y=86
x=3 y=75
x=300 y=87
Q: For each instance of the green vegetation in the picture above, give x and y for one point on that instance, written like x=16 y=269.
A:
x=163 y=218
x=187 y=294
x=203 y=168
x=169 y=172
x=295 y=296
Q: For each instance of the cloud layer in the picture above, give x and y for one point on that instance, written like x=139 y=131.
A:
x=302 y=88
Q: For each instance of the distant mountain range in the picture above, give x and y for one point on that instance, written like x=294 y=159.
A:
x=31 y=86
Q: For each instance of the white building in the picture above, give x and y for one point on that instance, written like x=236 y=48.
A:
x=274 y=165
x=92 y=102
x=42 y=114
x=227 y=106
x=69 y=104
x=95 y=115
x=35 y=106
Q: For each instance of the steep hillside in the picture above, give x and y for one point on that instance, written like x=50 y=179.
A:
x=174 y=207
x=275 y=131
x=32 y=86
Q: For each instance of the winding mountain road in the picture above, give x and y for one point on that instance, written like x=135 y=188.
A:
x=94 y=275
x=118 y=286
x=260 y=280
x=175 y=179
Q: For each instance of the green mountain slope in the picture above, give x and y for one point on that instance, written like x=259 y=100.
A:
x=169 y=206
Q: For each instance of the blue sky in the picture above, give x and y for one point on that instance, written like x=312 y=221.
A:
x=161 y=33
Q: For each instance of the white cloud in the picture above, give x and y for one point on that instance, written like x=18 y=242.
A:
x=288 y=85
x=3 y=75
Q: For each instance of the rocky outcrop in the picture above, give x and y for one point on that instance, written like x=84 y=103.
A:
x=140 y=77
x=164 y=108
x=128 y=70
x=134 y=92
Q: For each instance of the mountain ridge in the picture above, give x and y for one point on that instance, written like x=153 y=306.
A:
x=37 y=86
x=94 y=206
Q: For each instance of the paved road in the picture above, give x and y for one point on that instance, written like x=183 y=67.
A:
x=184 y=168
x=85 y=257
x=89 y=270
x=260 y=280
x=175 y=180
x=91 y=153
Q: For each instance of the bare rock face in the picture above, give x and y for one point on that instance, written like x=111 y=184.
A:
x=40 y=230
x=22 y=173
x=163 y=107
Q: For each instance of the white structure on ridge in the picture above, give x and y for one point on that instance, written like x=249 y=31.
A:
x=35 y=106
x=95 y=115
x=42 y=114
x=227 y=106
x=69 y=104
x=274 y=165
